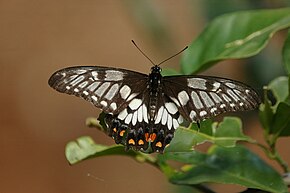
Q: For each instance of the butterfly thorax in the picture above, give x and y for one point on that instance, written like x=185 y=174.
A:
x=155 y=89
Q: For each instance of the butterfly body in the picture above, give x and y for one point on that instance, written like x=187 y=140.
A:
x=142 y=111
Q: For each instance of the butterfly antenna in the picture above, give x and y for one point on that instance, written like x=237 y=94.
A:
x=143 y=53
x=172 y=56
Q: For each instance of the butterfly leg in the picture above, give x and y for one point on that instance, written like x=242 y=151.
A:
x=198 y=124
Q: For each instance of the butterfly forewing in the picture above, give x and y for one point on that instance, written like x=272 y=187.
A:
x=201 y=97
x=141 y=111
x=110 y=89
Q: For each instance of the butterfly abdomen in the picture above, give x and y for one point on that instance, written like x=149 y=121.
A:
x=155 y=89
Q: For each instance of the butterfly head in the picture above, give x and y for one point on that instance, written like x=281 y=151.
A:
x=155 y=69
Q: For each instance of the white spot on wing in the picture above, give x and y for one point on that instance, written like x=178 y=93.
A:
x=123 y=114
x=101 y=90
x=192 y=114
x=83 y=84
x=80 y=71
x=95 y=75
x=164 y=117
x=135 y=104
x=69 y=78
x=216 y=86
x=215 y=97
x=222 y=106
x=233 y=95
x=196 y=101
x=159 y=115
x=85 y=93
x=169 y=122
x=212 y=110
x=175 y=123
x=180 y=119
x=226 y=98
x=171 y=108
x=202 y=113
x=93 y=86
x=197 y=83
x=113 y=75
x=77 y=80
x=125 y=91
x=104 y=103
x=206 y=99
x=140 y=114
x=113 y=106
x=112 y=92
x=145 y=115
x=134 y=119
x=94 y=98
x=231 y=85
x=183 y=98
x=128 y=118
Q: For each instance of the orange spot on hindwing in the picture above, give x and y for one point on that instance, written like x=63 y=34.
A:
x=140 y=142
x=122 y=133
x=158 y=144
x=131 y=142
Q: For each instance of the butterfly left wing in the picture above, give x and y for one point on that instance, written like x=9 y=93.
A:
x=110 y=89
x=201 y=97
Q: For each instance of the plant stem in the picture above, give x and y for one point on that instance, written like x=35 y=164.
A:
x=273 y=154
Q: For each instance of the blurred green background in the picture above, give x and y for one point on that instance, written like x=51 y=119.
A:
x=37 y=37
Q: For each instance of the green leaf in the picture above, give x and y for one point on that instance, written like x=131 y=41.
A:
x=279 y=87
x=281 y=121
x=85 y=147
x=286 y=53
x=226 y=134
x=169 y=72
x=235 y=165
x=233 y=36
x=275 y=117
x=266 y=113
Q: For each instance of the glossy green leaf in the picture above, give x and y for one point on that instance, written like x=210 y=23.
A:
x=226 y=134
x=235 y=165
x=275 y=117
x=85 y=147
x=286 y=53
x=279 y=87
x=233 y=36
x=266 y=113
x=281 y=121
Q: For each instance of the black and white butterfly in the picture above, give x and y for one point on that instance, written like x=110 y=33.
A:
x=142 y=111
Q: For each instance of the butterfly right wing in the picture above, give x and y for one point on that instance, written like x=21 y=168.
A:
x=202 y=97
x=110 y=89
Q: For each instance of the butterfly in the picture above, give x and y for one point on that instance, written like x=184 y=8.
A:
x=143 y=111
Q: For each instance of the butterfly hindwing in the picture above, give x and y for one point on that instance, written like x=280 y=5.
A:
x=143 y=130
x=110 y=89
x=143 y=111
x=201 y=97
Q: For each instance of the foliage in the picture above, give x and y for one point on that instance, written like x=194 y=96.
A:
x=232 y=36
